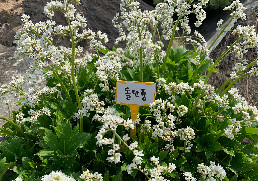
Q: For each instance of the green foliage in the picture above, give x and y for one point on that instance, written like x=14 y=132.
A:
x=219 y=4
x=79 y=129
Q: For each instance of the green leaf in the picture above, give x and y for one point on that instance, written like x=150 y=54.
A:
x=3 y=169
x=131 y=73
x=66 y=140
x=234 y=178
x=251 y=130
x=203 y=68
x=117 y=177
x=208 y=144
x=26 y=163
x=12 y=149
x=163 y=155
x=106 y=176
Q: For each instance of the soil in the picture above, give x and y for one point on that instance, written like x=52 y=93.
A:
x=99 y=14
x=247 y=86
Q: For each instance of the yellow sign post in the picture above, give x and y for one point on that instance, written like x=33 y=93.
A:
x=135 y=94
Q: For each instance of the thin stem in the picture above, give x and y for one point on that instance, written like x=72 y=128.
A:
x=157 y=65
x=63 y=87
x=229 y=80
x=16 y=126
x=141 y=55
x=222 y=31
x=233 y=83
x=196 y=100
x=172 y=37
x=219 y=59
x=73 y=73
x=119 y=137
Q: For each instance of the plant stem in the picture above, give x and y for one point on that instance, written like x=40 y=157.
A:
x=172 y=37
x=219 y=59
x=222 y=31
x=196 y=100
x=16 y=126
x=73 y=72
x=119 y=137
x=141 y=55
x=157 y=65
x=227 y=82
x=233 y=83
x=63 y=87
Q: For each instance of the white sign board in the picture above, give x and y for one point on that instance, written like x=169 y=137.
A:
x=132 y=92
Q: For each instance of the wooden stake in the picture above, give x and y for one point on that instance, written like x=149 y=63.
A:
x=134 y=111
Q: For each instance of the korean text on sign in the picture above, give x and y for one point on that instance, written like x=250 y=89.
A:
x=140 y=93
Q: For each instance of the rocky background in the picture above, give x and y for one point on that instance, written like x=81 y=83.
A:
x=99 y=14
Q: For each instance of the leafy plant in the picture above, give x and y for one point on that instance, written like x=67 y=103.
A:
x=69 y=128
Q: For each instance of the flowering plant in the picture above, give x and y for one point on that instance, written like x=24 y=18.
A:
x=69 y=128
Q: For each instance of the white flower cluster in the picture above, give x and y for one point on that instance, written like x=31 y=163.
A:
x=164 y=13
x=90 y=102
x=219 y=24
x=32 y=95
x=212 y=172
x=20 y=118
x=156 y=172
x=87 y=176
x=210 y=95
x=15 y=86
x=35 y=114
x=237 y=9
x=180 y=88
x=186 y=134
x=166 y=123
x=37 y=40
x=234 y=127
x=189 y=177
x=162 y=110
x=249 y=113
x=132 y=25
x=57 y=176
x=182 y=110
x=110 y=124
x=161 y=82
x=250 y=39
x=137 y=160
x=200 y=14
x=110 y=65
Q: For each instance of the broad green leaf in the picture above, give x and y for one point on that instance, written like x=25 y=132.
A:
x=251 y=130
x=203 y=68
x=163 y=155
x=3 y=169
x=117 y=177
x=66 y=140
x=12 y=149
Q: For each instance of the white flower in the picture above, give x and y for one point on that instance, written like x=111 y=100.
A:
x=126 y=137
x=57 y=176
x=18 y=179
x=87 y=176
x=188 y=176
x=182 y=110
x=219 y=24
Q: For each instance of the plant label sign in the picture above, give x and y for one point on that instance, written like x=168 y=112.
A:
x=135 y=93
